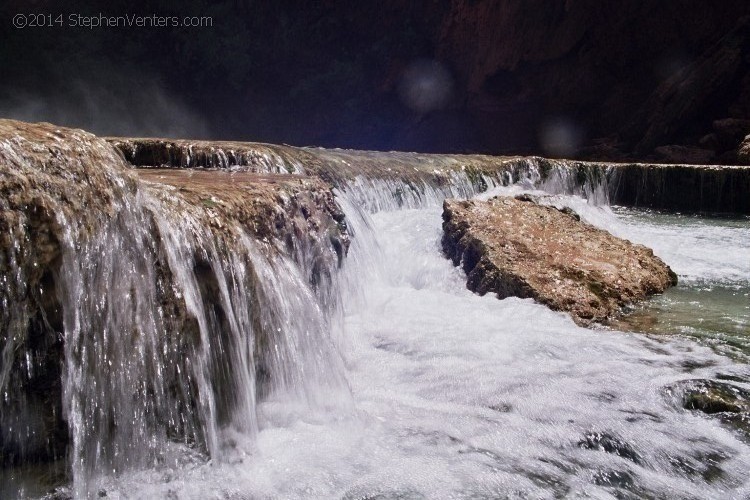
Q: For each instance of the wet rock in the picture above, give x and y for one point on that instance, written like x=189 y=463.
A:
x=47 y=174
x=175 y=153
x=706 y=465
x=290 y=210
x=601 y=441
x=712 y=397
x=516 y=247
x=727 y=402
x=615 y=479
x=63 y=188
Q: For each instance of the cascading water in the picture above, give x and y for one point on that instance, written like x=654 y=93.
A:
x=385 y=379
x=171 y=328
x=134 y=383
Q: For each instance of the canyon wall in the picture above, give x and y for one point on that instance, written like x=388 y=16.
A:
x=636 y=80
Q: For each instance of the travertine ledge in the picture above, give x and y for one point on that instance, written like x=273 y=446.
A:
x=516 y=247
x=68 y=201
x=691 y=188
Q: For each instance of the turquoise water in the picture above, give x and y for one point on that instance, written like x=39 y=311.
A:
x=711 y=255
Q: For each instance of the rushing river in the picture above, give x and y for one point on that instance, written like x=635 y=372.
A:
x=712 y=257
x=452 y=395
x=460 y=396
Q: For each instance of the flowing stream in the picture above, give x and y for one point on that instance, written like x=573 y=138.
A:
x=441 y=393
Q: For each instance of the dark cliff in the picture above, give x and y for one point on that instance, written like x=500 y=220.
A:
x=635 y=80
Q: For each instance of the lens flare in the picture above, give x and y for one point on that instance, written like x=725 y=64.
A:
x=426 y=85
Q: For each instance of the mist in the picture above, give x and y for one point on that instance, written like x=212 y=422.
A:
x=112 y=105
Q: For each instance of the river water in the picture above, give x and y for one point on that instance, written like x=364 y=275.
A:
x=459 y=396
x=445 y=394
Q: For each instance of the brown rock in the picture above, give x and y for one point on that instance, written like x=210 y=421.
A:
x=516 y=247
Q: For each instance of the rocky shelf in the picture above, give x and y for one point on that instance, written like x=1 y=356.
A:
x=515 y=247
x=682 y=187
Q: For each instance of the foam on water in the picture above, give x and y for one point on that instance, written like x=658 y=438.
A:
x=461 y=396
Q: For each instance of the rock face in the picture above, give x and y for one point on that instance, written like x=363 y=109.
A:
x=517 y=247
x=744 y=153
x=637 y=73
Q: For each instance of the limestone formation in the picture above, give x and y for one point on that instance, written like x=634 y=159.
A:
x=335 y=166
x=65 y=193
x=517 y=247
x=693 y=188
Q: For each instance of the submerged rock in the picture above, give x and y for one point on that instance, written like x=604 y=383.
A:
x=710 y=396
x=517 y=247
x=608 y=443
x=728 y=402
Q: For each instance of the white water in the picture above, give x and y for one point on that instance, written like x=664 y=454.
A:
x=461 y=396
x=698 y=249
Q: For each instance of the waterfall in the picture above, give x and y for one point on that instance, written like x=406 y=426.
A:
x=185 y=344
x=165 y=326
x=173 y=334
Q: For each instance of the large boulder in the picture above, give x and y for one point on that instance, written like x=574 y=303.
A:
x=517 y=247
